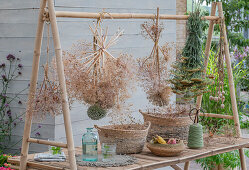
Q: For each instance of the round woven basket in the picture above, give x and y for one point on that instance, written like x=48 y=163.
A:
x=129 y=138
x=167 y=127
x=166 y=149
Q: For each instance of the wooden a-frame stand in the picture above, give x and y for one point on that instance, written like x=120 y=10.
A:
x=60 y=70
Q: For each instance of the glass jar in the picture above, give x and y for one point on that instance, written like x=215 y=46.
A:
x=89 y=146
x=108 y=151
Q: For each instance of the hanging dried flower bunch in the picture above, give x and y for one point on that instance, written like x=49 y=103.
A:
x=48 y=97
x=153 y=71
x=219 y=92
x=96 y=77
x=188 y=77
x=48 y=94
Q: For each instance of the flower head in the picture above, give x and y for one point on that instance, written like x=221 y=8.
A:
x=3 y=65
x=6 y=105
x=37 y=134
x=10 y=57
x=9 y=112
x=19 y=102
x=4 y=77
x=20 y=73
x=20 y=65
x=39 y=126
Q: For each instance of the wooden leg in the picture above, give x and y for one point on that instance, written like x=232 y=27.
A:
x=208 y=46
x=231 y=85
x=230 y=73
x=242 y=159
x=186 y=165
x=32 y=90
x=61 y=76
x=176 y=167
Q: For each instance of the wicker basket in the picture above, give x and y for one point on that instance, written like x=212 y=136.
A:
x=167 y=127
x=166 y=149
x=129 y=138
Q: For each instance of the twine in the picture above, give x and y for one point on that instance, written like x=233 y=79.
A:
x=195 y=136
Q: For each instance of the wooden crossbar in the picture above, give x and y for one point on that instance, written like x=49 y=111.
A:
x=15 y=164
x=45 y=142
x=106 y=15
x=217 y=115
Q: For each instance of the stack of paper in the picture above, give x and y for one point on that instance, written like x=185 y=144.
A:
x=47 y=157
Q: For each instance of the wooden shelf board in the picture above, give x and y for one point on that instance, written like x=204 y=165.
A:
x=146 y=159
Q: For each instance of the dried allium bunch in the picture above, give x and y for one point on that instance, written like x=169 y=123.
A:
x=154 y=77
x=94 y=76
x=105 y=90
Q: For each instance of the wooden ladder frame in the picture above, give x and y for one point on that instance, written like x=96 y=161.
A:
x=60 y=70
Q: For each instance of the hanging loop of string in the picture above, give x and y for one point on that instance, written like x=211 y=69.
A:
x=46 y=16
x=102 y=14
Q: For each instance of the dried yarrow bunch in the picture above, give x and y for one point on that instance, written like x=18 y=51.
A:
x=151 y=29
x=153 y=69
x=188 y=78
x=154 y=78
x=95 y=76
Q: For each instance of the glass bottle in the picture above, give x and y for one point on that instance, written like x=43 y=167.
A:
x=89 y=146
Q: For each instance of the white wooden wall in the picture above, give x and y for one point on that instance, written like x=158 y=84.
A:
x=18 y=20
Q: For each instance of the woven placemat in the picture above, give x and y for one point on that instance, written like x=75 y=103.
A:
x=117 y=160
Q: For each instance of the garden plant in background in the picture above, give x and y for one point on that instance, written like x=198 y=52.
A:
x=10 y=69
x=236 y=18
x=3 y=162
x=221 y=127
x=242 y=60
